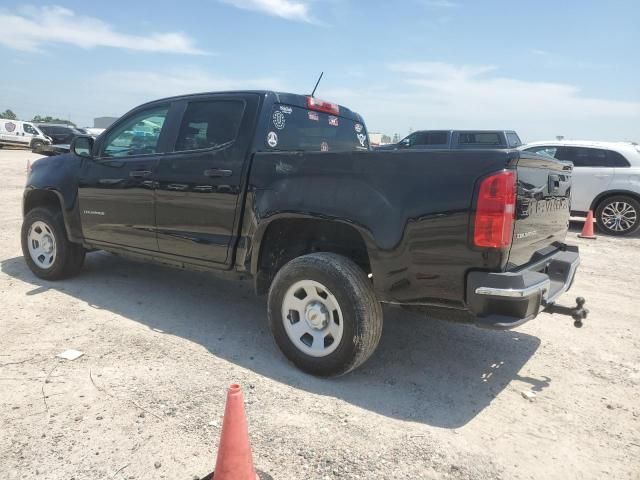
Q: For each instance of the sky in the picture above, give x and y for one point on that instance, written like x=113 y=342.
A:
x=540 y=67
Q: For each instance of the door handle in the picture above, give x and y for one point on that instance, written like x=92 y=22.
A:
x=140 y=173
x=217 y=172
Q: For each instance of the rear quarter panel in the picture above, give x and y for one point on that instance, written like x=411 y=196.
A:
x=411 y=207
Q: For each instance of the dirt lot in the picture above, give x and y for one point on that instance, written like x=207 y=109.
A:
x=437 y=400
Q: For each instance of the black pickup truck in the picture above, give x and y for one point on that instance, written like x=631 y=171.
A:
x=285 y=189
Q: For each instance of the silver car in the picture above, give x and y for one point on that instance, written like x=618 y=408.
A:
x=606 y=179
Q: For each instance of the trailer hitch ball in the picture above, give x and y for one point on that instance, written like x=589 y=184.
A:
x=579 y=313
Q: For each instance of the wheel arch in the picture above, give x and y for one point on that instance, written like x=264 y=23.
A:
x=287 y=237
x=611 y=193
x=38 y=197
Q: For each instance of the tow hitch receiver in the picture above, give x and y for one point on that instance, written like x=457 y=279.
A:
x=578 y=313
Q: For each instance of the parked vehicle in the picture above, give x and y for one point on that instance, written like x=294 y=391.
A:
x=606 y=179
x=60 y=134
x=456 y=139
x=283 y=188
x=94 y=132
x=21 y=134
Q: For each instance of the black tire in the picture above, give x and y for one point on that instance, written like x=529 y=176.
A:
x=618 y=202
x=69 y=256
x=361 y=312
x=37 y=145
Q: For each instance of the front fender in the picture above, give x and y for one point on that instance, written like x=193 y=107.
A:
x=56 y=175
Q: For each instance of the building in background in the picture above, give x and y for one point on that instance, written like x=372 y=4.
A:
x=103 y=122
x=377 y=139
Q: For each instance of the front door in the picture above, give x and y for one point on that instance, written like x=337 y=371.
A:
x=199 y=183
x=116 y=187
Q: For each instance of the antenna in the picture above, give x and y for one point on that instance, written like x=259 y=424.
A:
x=314 y=88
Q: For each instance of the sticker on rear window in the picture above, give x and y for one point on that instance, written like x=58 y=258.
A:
x=285 y=109
x=279 y=120
x=362 y=138
x=324 y=147
x=358 y=127
x=272 y=139
x=314 y=116
x=333 y=121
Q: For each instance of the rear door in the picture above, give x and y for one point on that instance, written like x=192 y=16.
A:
x=542 y=206
x=199 y=182
x=592 y=174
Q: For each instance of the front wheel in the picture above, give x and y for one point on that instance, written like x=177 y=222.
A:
x=324 y=314
x=618 y=215
x=46 y=248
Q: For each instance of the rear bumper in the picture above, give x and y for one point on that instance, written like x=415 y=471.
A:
x=506 y=300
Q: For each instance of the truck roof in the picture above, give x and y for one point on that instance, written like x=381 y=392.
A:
x=294 y=99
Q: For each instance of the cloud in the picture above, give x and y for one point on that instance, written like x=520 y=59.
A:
x=287 y=9
x=120 y=91
x=157 y=84
x=443 y=95
x=34 y=27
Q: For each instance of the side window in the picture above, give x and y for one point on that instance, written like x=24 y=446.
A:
x=437 y=138
x=547 y=151
x=138 y=135
x=615 y=159
x=411 y=138
x=29 y=129
x=209 y=124
x=590 y=157
x=566 y=153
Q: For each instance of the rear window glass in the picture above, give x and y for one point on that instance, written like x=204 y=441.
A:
x=513 y=140
x=546 y=151
x=479 y=138
x=296 y=128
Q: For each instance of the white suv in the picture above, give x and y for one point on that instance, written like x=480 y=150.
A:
x=606 y=179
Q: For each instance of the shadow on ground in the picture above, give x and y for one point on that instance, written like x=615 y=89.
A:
x=442 y=374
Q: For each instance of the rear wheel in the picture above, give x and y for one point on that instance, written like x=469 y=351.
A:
x=324 y=314
x=45 y=246
x=618 y=215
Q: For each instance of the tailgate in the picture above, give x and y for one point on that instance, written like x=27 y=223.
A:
x=542 y=206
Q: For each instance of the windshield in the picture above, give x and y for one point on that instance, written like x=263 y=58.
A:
x=297 y=128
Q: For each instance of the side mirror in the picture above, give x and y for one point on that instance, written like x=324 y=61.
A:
x=405 y=143
x=82 y=146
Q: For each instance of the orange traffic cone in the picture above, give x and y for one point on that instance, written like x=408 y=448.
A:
x=235 y=461
x=587 y=230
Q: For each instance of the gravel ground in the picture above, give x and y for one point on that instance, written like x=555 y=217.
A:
x=437 y=400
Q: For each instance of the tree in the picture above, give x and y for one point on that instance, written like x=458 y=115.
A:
x=50 y=119
x=8 y=114
x=396 y=138
x=385 y=139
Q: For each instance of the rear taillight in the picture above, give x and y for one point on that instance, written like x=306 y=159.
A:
x=322 y=106
x=495 y=211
